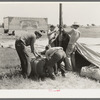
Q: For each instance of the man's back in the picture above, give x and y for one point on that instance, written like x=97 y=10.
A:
x=74 y=35
x=52 y=50
x=25 y=36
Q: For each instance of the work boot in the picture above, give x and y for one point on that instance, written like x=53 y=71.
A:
x=63 y=74
x=42 y=79
x=52 y=77
x=25 y=76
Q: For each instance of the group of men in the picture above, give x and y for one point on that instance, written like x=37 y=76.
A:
x=54 y=55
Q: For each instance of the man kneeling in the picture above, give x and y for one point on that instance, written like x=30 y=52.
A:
x=55 y=55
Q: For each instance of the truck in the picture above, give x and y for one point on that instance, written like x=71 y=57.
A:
x=12 y=24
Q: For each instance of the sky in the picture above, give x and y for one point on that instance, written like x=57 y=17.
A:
x=82 y=12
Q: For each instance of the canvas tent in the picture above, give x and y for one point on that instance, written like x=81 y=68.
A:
x=85 y=56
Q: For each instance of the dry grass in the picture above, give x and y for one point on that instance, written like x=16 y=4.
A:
x=9 y=65
x=72 y=80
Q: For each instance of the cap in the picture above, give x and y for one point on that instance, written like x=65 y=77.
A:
x=52 y=26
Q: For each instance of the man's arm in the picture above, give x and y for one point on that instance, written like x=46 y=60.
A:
x=49 y=33
x=69 y=33
x=52 y=32
x=33 y=50
x=47 y=54
x=74 y=37
x=32 y=46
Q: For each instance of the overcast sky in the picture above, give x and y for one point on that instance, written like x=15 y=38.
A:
x=83 y=13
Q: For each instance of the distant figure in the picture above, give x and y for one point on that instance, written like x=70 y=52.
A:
x=55 y=55
x=22 y=40
x=74 y=35
x=52 y=34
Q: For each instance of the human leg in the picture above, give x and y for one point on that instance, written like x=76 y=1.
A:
x=62 y=69
x=55 y=69
x=51 y=72
x=68 y=59
x=51 y=65
x=20 y=54
x=24 y=58
x=27 y=62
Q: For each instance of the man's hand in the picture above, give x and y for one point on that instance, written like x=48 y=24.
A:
x=70 y=48
x=49 y=58
x=39 y=55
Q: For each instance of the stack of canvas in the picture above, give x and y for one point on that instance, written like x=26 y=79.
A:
x=91 y=72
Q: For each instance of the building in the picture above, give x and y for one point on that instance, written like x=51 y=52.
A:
x=24 y=23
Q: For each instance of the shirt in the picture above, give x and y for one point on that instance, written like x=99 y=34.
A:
x=25 y=36
x=51 y=51
x=52 y=34
x=74 y=36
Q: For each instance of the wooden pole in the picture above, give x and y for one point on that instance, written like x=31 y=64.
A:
x=60 y=18
x=60 y=24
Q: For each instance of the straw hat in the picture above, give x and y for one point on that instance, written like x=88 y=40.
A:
x=75 y=24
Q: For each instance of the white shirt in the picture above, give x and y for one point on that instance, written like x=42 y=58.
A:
x=51 y=51
x=74 y=36
x=52 y=34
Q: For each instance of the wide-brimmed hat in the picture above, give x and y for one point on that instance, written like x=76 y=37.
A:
x=75 y=24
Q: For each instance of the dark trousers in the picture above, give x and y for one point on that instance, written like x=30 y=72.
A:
x=24 y=58
x=57 y=58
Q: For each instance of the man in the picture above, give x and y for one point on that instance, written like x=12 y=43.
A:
x=74 y=36
x=55 y=55
x=52 y=34
x=24 y=39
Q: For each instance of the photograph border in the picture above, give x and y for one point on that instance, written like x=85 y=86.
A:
x=50 y=98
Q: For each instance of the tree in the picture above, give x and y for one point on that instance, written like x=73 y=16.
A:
x=88 y=25
x=93 y=25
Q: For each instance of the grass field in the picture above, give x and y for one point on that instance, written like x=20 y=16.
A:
x=93 y=32
x=8 y=63
x=12 y=79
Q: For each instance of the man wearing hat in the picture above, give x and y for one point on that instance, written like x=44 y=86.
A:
x=74 y=36
x=24 y=39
